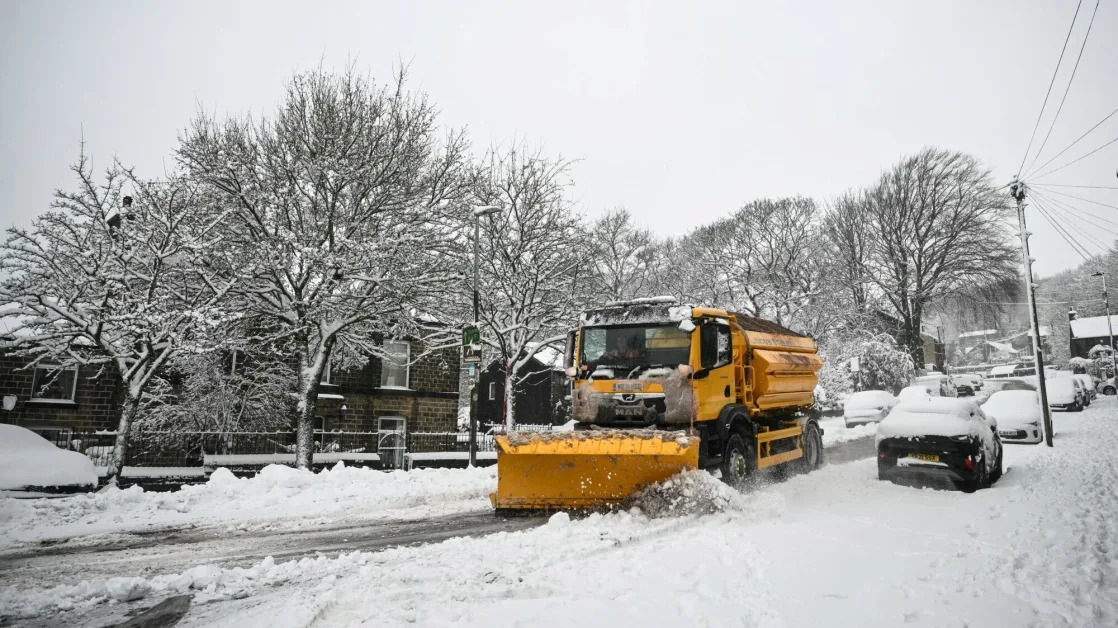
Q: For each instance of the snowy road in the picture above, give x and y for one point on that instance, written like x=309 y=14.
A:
x=835 y=547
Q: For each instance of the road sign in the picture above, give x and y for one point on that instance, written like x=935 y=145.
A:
x=471 y=345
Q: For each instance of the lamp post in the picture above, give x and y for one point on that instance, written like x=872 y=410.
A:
x=1109 y=326
x=479 y=211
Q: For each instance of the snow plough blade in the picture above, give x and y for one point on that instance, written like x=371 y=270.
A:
x=586 y=469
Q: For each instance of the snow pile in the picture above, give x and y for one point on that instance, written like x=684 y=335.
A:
x=836 y=432
x=27 y=459
x=278 y=492
x=687 y=493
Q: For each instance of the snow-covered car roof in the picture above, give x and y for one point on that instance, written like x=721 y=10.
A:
x=914 y=393
x=1003 y=370
x=936 y=416
x=864 y=399
x=1013 y=406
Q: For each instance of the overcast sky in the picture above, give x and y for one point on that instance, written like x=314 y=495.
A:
x=680 y=112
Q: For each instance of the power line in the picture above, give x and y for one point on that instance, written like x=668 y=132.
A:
x=1069 y=146
x=1078 y=198
x=1077 y=160
x=1049 y=92
x=1076 y=210
x=1071 y=224
x=1063 y=234
x=1071 y=80
x=1093 y=187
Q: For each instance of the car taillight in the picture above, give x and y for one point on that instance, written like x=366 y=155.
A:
x=881 y=456
x=969 y=463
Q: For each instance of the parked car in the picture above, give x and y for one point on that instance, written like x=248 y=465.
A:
x=974 y=380
x=991 y=386
x=867 y=406
x=951 y=439
x=1107 y=386
x=1088 y=383
x=30 y=464
x=941 y=385
x=1064 y=394
x=1001 y=371
x=915 y=393
x=1018 y=415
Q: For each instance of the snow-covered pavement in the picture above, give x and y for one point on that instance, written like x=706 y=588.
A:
x=833 y=548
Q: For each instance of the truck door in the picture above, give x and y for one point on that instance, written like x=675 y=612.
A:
x=714 y=381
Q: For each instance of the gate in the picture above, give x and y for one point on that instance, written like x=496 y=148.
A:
x=392 y=441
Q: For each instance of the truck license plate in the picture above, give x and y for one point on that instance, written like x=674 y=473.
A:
x=925 y=457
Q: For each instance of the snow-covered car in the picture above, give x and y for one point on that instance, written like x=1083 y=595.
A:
x=1088 y=386
x=1108 y=386
x=915 y=393
x=941 y=385
x=991 y=386
x=1001 y=371
x=867 y=406
x=950 y=439
x=1017 y=413
x=971 y=380
x=30 y=463
x=1064 y=394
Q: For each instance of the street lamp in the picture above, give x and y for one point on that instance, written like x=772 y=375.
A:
x=1109 y=327
x=479 y=211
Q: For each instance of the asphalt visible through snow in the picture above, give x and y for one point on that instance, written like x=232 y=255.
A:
x=175 y=550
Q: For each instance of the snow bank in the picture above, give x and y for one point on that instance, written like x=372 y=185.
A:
x=27 y=459
x=689 y=493
x=835 y=431
x=278 y=492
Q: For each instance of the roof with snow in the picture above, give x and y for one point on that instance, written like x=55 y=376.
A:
x=1092 y=326
x=981 y=332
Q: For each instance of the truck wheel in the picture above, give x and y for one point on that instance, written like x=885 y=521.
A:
x=813 y=449
x=737 y=461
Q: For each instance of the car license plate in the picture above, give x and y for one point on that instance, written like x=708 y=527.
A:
x=630 y=411
x=925 y=457
x=1008 y=433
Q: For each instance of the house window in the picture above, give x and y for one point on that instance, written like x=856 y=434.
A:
x=492 y=391
x=394 y=366
x=328 y=372
x=54 y=383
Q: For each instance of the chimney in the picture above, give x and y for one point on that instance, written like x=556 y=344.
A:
x=1072 y=314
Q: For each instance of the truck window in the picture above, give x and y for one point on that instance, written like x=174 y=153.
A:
x=715 y=346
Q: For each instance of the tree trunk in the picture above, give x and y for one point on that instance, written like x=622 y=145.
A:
x=120 y=448
x=304 y=429
x=510 y=398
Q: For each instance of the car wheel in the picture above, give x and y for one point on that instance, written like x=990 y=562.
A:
x=980 y=480
x=1109 y=390
x=996 y=474
x=1078 y=407
x=736 y=462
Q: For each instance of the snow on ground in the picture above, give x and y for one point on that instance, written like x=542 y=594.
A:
x=835 y=431
x=836 y=547
x=272 y=498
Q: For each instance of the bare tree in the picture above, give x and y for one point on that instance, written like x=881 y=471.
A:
x=938 y=228
x=623 y=254
x=337 y=202
x=125 y=287
x=534 y=269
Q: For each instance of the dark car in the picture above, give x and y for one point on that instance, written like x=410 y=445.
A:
x=940 y=438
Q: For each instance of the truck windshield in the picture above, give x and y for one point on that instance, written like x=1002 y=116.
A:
x=629 y=347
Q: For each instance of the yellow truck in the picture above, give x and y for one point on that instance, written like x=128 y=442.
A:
x=659 y=387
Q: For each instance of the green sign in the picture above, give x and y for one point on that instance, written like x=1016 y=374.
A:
x=471 y=345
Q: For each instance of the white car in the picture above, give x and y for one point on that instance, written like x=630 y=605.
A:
x=973 y=380
x=915 y=393
x=1064 y=394
x=1107 y=386
x=1088 y=386
x=1002 y=371
x=867 y=406
x=31 y=464
x=1018 y=415
x=941 y=385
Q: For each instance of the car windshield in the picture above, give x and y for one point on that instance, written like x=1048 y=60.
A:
x=633 y=347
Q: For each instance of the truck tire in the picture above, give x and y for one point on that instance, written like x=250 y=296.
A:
x=737 y=462
x=813 y=449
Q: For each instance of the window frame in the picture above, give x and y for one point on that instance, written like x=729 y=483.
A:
x=328 y=373
x=384 y=365
x=492 y=390
x=36 y=383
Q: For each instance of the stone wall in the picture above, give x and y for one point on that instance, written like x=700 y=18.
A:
x=96 y=405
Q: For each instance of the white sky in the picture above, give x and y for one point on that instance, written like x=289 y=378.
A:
x=680 y=112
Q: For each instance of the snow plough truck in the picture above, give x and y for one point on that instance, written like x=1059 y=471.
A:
x=658 y=388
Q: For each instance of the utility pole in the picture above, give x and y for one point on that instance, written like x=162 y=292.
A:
x=1018 y=190
x=1109 y=327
